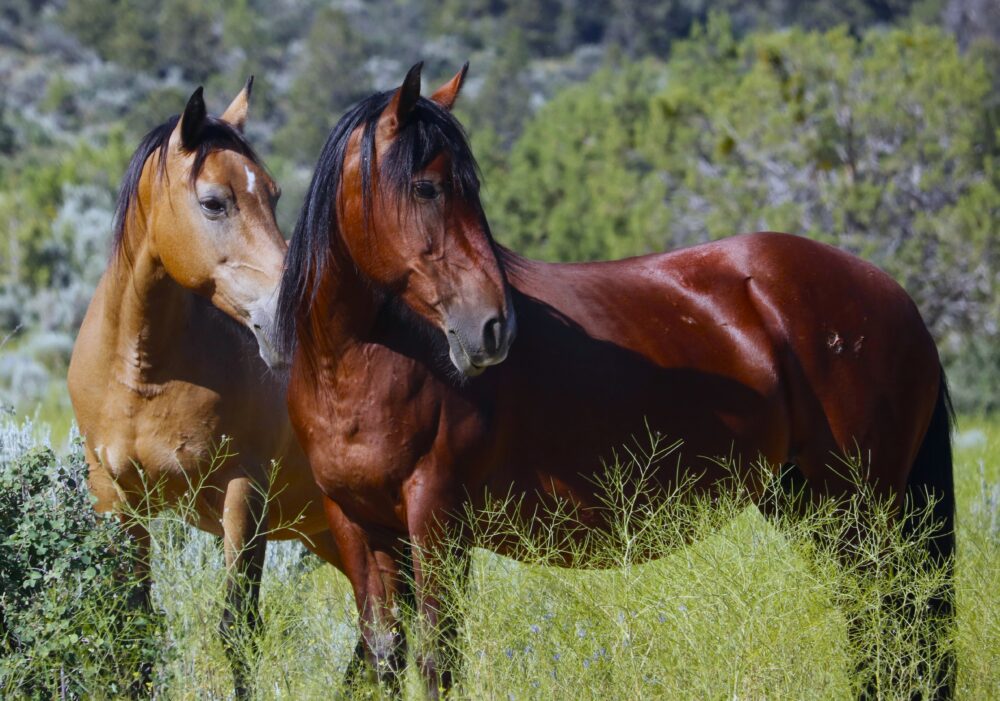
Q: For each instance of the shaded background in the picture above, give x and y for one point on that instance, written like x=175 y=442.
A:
x=603 y=129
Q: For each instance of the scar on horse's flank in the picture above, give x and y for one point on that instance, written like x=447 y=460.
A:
x=835 y=342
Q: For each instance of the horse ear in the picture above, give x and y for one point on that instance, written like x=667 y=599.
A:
x=236 y=113
x=406 y=97
x=193 y=120
x=448 y=93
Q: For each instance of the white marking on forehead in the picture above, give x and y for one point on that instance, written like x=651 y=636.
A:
x=251 y=179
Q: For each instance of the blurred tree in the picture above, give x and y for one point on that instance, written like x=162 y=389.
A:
x=332 y=77
x=536 y=22
x=575 y=186
x=647 y=28
x=972 y=19
x=121 y=31
x=501 y=102
x=189 y=33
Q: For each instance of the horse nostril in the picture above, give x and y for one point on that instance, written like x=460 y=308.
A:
x=256 y=327
x=492 y=335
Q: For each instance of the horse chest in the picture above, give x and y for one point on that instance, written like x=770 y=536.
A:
x=174 y=432
x=377 y=425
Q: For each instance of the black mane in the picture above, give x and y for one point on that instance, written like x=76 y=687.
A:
x=216 y=134
x=428 y=130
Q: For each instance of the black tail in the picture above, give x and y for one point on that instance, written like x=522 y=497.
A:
x=932 y=480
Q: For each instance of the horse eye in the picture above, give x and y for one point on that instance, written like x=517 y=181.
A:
x=424 y=189
x=212 y=206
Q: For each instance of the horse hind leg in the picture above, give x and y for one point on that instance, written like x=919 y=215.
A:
x=930 y=522
x=929 y=505
x=244 y=525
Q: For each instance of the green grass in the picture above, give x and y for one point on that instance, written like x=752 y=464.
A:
x=747 y=611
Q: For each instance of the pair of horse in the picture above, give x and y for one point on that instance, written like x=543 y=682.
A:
x=408 y=392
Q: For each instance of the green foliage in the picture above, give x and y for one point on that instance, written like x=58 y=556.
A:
x=575 y=186
x=149 y=34
x=67 y=626
x=332 y=78
x=46 y=243
x=736 y=605
x=747 y=607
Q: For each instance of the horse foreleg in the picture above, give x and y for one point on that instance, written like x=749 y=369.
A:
x=132 y=511
x=380 y=588
x=440 y=566
x=140 y=596
x=244 y=526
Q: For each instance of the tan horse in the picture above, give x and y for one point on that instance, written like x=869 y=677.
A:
x=158 y=375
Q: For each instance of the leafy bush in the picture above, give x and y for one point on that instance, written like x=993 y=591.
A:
x=69 y=626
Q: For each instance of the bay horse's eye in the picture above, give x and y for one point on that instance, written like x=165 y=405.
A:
x=213 y=206
x=425 y=190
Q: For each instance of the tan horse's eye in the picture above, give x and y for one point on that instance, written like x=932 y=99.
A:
x=425 y=190
x=213 y=206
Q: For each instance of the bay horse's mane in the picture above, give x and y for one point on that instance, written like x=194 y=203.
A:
x=429 y=129
x=215 y=135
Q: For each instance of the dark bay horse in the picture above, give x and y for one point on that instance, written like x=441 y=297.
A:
x=764 y=345
x=174 y=350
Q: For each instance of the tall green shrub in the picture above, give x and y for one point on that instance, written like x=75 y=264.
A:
x=68 y=627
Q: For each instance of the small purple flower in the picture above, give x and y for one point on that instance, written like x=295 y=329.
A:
x=509 y=653
x=556 y=657
x=586 y=662
x=534 y=628
x=662 y=618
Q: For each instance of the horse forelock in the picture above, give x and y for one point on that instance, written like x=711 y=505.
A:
x=428 y=131
x=216 y=135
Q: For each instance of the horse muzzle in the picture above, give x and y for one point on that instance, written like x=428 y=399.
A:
x=477 y=342
x=261 y=326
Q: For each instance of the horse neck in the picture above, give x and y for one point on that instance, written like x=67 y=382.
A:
x=146 y=312
x=345 y=309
